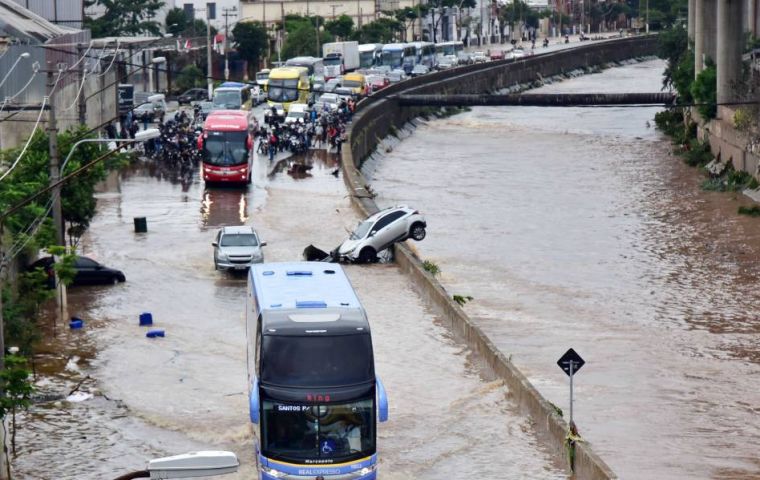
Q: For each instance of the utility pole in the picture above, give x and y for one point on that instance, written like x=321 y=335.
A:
x=55 y=174
x=318 y=49
x=82 y=100
x=209 y=65
x=647 y=20
x=227 y=12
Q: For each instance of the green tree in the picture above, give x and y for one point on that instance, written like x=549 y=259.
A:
x=302 y=37
x=124 y=18
x=251 y=42
x=673 y=46
x=382 y=30
x=340 y=27
x=705 y=91
x=176 y=21
x=190 y=77
x=16 y=390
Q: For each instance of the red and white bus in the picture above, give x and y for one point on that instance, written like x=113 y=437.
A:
x=227 y=147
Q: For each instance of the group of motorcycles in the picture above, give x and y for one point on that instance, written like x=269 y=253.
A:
x=176 y=149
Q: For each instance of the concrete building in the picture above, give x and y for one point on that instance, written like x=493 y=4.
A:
x=214 y=11
x=361 y=11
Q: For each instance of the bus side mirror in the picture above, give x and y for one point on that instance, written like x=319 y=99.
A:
x=382 y=401
x=200 y=142
x=248 y=143
x=253 y=401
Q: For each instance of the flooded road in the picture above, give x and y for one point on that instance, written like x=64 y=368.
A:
x=577 y=228
x=156 y=397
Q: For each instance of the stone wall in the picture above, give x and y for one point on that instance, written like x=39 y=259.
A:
x=379 y=115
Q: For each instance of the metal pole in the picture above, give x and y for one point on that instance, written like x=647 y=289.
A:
x=318 y=49
x=226 y=45
x=209 y=66
x=52 y=129
x=647 y=7
x=572 y=364
x=82 y=100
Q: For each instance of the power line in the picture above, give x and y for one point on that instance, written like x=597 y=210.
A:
x=45 y=99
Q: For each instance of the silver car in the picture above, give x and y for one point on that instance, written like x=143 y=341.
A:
x=237 y=248
x=380 y=231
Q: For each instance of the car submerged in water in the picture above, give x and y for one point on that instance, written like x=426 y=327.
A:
x=87 y=272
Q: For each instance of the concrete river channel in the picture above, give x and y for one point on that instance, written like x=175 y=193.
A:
x=569 y=227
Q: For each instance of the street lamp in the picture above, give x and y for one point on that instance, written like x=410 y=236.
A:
x=155 y=61
x=23 y=55
x=194 y=464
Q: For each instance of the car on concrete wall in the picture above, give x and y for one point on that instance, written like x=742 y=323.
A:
x=380 y=231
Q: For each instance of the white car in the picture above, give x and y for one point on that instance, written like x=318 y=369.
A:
x=380 y=231
x=296 y=111
x=237 y=248
x=328 y=101
x=479 y=57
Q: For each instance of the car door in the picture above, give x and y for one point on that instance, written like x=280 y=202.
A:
x=383 y=229
x=87 y=271
x=397 y=228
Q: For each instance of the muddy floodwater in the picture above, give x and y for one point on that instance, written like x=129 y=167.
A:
x=147 y=398
x=576 y=227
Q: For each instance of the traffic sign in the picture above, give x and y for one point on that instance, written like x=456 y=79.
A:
x=570 y=362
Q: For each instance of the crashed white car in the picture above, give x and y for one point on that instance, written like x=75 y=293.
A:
x=380 y=231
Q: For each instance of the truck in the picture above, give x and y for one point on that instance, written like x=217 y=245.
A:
x=339 y=58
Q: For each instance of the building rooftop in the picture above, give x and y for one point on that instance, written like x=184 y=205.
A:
x=26 y=26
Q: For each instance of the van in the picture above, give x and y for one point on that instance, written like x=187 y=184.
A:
x=296 y=111
x=356 y=82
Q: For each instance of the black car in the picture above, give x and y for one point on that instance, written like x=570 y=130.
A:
x=193 y=95
x=88 y=272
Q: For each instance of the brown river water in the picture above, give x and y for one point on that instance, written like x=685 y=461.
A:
x=150 y=398
x=577 y=227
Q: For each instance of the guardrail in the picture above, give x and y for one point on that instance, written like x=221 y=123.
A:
x=378 y=115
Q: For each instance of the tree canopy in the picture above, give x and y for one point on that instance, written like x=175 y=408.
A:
x=382 y=30
x=301 y=37
x=124 y=18
x=251 y=41
x=341 y=27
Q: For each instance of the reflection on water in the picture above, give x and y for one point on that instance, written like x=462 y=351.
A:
x=222 y=207
x=577 y=228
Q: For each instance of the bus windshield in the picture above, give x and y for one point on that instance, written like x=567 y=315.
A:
x=281 y=90
x=225 y=148
x=392 y=59
x=337 y=432
x=317 y=361
x=366 y=59
x=227 y=99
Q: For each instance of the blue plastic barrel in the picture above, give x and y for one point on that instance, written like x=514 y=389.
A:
x=155 y=333
x=76 y=323
x=146 y=318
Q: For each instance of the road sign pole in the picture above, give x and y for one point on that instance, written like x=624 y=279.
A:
x=571 y=392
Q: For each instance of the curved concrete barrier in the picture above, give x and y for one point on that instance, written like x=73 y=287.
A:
x=379 y=115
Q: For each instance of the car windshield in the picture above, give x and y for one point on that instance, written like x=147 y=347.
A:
x=361 y=230
x=225 y=148
x=279 y=90
x=323 y=432
x=325 y=361
x=239 y=240
x=227 y=99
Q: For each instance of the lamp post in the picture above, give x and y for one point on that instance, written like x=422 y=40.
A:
x=155 y=61
x=227 y=12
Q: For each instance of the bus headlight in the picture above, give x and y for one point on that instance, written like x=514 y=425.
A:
x=367 y=470
x=272 y=472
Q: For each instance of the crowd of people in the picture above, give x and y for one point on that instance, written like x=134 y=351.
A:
x=323 y=127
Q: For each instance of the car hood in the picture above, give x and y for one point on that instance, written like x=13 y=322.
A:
x=347 y=246
x=240 y=250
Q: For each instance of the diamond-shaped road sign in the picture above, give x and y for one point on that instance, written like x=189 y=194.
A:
x=566 y=359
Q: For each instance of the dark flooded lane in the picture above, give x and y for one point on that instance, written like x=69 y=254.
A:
x=577 y=228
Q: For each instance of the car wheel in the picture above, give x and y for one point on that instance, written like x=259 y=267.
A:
x=115 y=280
x=418 y=232
x=367 y=255
x=216 y=266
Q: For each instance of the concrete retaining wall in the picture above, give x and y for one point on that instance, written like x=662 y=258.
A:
x=379 y=115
